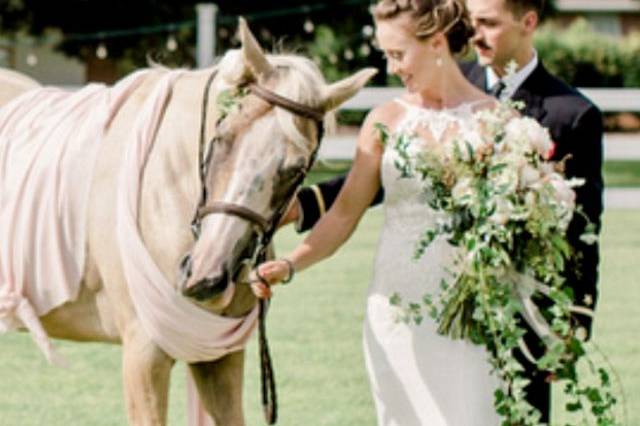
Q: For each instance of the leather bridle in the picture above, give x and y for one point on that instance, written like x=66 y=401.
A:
x=266 y=227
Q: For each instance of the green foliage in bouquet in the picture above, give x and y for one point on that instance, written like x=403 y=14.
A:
x=506 y=210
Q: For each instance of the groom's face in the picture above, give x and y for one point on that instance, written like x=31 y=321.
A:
x=500 y=35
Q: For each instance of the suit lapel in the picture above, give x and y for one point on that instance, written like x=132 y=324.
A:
x=529 y=92
x=477 y=76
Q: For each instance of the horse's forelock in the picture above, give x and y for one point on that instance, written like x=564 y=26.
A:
x=303 y=83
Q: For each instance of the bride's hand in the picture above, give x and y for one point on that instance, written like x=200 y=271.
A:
x=268 y=274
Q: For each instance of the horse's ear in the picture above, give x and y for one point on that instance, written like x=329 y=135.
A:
x=340 y=91
x=254 y=58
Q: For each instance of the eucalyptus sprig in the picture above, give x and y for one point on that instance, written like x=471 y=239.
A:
x=228 y=100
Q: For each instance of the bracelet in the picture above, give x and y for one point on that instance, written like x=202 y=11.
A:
x=292 y=271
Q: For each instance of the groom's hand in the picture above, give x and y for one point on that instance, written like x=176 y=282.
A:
x=292 y=214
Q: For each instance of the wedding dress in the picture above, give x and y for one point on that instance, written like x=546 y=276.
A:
x=417 y=376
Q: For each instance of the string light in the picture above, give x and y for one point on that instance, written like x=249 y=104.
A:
x=172 y=43
x=309 y=26
x=265 y=34
x=348 y=54
x=333 y=59
x=223 y=33
x=101 y=51
x=365 y=50
x=367 y=31
x=32 y=59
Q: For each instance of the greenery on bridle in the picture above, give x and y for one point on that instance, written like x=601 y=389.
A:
x=229 y=99
x=507 y=211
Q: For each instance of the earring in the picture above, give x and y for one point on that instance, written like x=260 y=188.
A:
x=439 y=61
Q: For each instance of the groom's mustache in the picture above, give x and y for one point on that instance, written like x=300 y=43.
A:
x=481 y=44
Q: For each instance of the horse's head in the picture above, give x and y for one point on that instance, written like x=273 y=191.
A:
x=263 y=145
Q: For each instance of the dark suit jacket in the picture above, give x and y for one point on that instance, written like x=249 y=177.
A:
x=576 y=128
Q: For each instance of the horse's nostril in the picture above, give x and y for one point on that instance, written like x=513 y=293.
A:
x=208 y=288
x=185 y=267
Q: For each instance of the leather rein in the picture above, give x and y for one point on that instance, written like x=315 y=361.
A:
x=266 y=227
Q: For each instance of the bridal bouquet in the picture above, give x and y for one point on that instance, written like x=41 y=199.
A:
x=506 y=209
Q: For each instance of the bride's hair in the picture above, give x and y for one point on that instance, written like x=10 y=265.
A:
x=432 y=16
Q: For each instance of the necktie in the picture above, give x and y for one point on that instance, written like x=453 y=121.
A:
x=497 y=89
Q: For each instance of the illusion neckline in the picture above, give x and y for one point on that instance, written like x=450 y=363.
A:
x=464 y=106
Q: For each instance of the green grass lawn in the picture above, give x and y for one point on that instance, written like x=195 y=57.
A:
x=622 y=173
x=314 y=330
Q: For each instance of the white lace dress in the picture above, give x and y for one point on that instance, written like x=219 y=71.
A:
x=419 y=377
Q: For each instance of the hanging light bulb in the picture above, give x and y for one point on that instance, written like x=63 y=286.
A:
x=101 y=51
x=223 y=32
x=365 y=50
x=348 y=54
x=32 y=59
x=367 y=31
x=172 y=43
x=309 y=26
x=265 y=34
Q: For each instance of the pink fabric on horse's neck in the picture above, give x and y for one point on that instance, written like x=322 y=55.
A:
x=179 y=327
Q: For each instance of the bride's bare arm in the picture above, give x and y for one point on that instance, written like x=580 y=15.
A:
x=337 y=225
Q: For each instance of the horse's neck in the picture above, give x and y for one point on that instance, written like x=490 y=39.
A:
x=170 y=185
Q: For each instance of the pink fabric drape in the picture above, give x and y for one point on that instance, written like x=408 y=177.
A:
x=48 y=144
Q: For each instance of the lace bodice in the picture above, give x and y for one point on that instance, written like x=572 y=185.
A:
x=404 y=197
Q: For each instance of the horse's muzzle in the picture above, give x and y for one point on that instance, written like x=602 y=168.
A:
x=207 y=288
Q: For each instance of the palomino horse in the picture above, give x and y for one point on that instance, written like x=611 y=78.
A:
x=155 y=276
x=13 y=84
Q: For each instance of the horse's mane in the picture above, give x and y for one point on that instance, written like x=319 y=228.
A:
x=303 y=83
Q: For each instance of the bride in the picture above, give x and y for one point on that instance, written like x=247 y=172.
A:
x=417 y=376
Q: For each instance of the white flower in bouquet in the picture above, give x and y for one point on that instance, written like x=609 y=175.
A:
x=463 y=193
x=562 y=190
x=530 y=176
x=529 y=132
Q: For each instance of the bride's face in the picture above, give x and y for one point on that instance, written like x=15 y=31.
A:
x=411 y=59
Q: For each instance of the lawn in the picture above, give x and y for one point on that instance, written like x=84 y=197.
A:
x=621 y=173
x=314 y=331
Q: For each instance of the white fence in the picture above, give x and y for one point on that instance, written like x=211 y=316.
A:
x=617 y=146
x=608 y=100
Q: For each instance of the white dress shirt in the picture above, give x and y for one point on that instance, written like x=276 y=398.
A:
x=513 y=81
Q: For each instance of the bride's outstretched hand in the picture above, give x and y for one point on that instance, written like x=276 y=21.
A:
x=268 y=274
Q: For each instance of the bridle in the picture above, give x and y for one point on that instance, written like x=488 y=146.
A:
x=266 y=227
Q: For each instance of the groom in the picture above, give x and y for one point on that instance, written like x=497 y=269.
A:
x=504 y=32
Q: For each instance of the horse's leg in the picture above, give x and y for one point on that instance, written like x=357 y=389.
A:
x=146 y=372
x=219 y=384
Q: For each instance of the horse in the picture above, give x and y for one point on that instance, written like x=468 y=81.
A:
x=13 y=84
x=187 y=214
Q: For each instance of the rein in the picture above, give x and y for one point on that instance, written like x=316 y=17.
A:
x=266 y=227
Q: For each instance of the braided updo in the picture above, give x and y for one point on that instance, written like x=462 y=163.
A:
x=432 y=16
